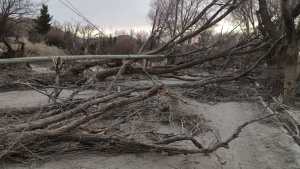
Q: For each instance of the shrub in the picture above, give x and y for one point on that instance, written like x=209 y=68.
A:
x=55 y=37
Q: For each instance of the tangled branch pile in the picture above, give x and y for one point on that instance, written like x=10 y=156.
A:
x=96 y=123
x=120 y=120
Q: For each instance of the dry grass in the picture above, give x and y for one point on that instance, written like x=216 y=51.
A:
x=38 y=49
x=41 y=49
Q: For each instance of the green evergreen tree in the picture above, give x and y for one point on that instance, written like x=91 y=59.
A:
x=43 y=22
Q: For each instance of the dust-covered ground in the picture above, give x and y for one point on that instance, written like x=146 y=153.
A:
x=261 y=145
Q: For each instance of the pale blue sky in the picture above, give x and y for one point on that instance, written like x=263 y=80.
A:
x=107 y=14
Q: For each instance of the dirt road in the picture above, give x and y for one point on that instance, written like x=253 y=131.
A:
x=260 y=146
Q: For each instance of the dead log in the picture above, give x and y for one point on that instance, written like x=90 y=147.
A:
x=30 y=133
x=233 y=76
x=234 y=51
x=121 y=145
x=80 y=67
x=102 y=111
x=13 y=142
x=42 y=123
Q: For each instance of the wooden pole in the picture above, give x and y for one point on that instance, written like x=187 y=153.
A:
x=75 y=57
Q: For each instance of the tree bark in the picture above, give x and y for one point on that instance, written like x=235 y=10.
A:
x=268 y=28
x=290 y=77
x=291 y=52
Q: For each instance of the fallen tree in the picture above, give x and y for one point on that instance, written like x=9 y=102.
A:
x=63 y=125
x=37 y=137
x=233 y=51
x=89 y=123
x=58 y=124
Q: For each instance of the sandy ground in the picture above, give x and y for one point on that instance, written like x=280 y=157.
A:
x=29 y=98
x=260 y=146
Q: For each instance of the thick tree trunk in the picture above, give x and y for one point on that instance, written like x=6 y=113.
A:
x=290 y=78
x=290 y=71
x=291 y=52
x=268 y=28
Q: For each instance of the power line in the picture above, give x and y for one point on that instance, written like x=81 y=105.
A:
x=70 y=6
x=77 y=12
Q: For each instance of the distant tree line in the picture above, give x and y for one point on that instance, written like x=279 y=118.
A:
x=75 y=38
x=81 y=39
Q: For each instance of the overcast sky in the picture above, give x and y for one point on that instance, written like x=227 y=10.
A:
x=109 y=15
